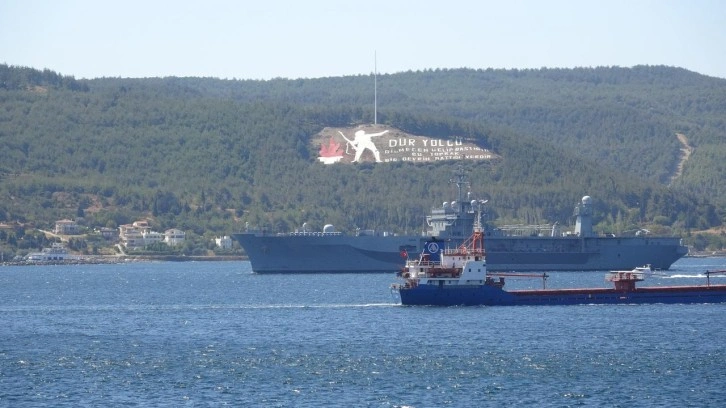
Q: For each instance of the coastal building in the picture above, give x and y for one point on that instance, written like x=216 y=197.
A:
x=174 y=237
x=108 y=233
x=153 y=237
x=66 y=227
x=57 y=252
x=224 y=242
x=138 y=235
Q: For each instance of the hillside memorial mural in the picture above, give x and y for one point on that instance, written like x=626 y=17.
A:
x=384 y=145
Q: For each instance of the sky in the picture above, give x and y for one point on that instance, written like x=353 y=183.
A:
x=267 y=39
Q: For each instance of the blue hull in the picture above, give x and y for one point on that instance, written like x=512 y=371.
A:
x=486 y=295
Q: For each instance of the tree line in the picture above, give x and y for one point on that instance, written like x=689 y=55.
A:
x=210 y=156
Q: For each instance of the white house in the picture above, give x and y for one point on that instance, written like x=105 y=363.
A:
x=138 y=235
x=131 y=235
x=224 y=242
x=152 y=237
x=174 y=237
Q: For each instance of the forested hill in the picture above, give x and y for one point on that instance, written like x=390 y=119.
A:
x=209 y=155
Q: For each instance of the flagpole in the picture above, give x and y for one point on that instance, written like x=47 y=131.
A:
x=375 y=89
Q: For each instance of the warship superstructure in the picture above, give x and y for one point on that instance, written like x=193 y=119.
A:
x=509 y=248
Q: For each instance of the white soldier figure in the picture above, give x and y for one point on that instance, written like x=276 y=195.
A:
x=363 y=141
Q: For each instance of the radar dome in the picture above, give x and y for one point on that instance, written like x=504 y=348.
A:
x=328 y=228
x=446 y=204
x=587 y=200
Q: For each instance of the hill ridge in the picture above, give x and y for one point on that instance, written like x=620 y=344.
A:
x=186 y=150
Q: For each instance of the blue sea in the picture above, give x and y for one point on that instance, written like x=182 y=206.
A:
x=214 y=334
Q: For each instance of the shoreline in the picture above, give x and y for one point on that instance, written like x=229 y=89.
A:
x=121 y=259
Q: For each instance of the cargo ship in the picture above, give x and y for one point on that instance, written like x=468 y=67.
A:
x=509 y=248
x=459 y=277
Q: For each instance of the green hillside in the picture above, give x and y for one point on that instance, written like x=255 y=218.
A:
x=209 y=156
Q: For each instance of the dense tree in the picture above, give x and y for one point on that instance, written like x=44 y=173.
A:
x=211 y=155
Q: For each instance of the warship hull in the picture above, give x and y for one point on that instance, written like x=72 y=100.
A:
x=509 y=248
x=270 y=253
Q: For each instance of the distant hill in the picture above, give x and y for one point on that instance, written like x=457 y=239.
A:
x=209 y=156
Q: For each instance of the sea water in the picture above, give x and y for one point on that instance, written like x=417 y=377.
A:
x=215 y=334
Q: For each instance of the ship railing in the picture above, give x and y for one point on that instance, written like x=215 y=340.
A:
x=464 y=251
x=522 y=275
x=526 y=230
x=437 y=273
x=709 y=273
x=428 y=263
x=313 y=233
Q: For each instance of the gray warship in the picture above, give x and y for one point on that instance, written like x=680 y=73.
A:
x=509 y=248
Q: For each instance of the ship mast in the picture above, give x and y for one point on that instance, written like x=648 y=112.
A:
x=475 y=243
x=460 y=181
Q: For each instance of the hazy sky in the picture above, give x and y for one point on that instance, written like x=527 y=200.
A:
x=321 y=38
